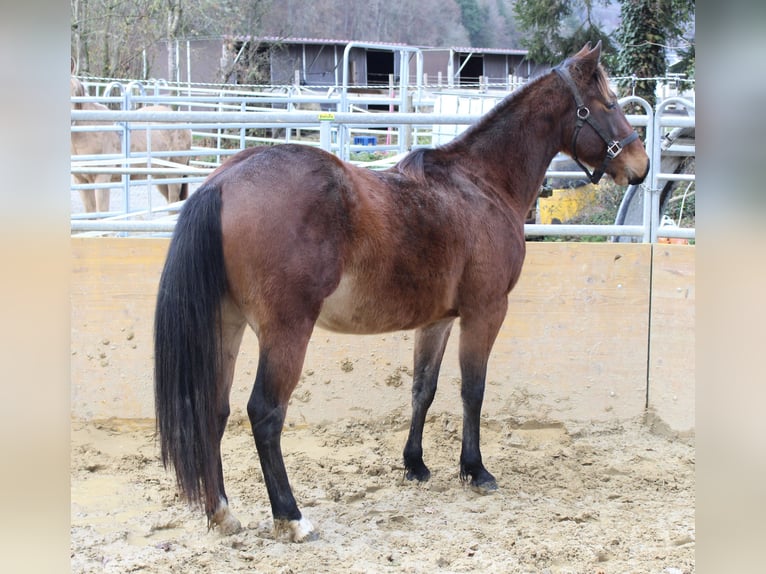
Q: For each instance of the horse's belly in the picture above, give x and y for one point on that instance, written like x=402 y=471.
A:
x=359 y=309
x=344 y=310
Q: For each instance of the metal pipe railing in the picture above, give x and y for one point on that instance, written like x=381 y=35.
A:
x=327 y=124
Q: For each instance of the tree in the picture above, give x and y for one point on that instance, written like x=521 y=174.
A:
x=647 y=30
x=174 y=12
x=474 y=19
x=109 y=37
x=554 y=29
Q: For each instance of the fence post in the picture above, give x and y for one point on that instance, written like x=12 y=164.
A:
x=126 y=105
x=325 y=130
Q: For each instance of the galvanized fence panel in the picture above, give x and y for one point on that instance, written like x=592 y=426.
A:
x=224 y=121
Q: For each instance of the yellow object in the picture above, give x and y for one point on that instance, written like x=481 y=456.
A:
x=564 y=204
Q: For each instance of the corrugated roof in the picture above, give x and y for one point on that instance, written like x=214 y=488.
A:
x=336 y=42
x=463 y=49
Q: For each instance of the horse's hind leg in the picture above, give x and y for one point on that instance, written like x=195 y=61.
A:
x=88 y=198
x=279 y=367
x=163 y=188
x=232 y=328
x=102 y=199
x=429 y=349
x=174 y=192
x=103 y=193
x=95 y=199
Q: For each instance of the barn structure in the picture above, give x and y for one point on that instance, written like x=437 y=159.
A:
x=318 y=62
x=468 y=66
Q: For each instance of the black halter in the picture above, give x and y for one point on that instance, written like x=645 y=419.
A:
x=613 y=146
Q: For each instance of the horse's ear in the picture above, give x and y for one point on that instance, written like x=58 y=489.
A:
x=589 y=58
x=583 y=51
x=595 y=53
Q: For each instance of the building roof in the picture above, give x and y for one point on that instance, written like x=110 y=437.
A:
x=336 y=42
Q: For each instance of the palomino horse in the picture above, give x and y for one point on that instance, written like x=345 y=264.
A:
x=289 y=237
x=108 y=142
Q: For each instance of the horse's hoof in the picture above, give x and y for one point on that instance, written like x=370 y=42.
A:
x=224 y=520
x=421 y=474
x=481 y=480
x=229 y=526
x=297 y=530
x=487 y=487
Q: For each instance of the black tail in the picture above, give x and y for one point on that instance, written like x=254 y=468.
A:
x=187 y=346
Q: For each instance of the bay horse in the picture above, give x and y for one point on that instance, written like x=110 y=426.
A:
x=286 y=238
x=108 y=142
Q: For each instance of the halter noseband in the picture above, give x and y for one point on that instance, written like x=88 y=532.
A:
x=613 y=146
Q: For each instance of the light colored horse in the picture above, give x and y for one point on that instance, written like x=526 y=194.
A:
x=108 y=142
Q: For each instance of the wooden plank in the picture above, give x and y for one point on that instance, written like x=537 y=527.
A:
x=671 y=359
x=574 y=344
x=113 y=292
x=573 y=347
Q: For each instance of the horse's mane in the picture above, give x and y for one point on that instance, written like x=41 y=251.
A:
x=414 y=164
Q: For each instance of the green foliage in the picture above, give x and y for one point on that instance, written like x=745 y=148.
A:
x=647 y=30
x=555 y=29
x=474 y=18
x=686 y=64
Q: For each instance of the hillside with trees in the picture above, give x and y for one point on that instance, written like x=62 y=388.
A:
x=109 y=37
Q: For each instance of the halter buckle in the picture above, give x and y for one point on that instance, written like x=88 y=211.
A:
x=613 y=149
x=583 y=112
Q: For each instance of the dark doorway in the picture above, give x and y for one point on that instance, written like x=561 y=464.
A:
x=471 y=69
x=379 y=66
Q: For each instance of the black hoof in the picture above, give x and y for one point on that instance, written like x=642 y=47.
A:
x=421 y=473
x=481 y=481
x=487 y=487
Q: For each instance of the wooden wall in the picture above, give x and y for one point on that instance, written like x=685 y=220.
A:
x=590 y=328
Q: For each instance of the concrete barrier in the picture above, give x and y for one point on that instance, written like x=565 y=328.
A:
x=575 y=345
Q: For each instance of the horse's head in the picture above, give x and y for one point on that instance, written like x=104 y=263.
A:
x=598 y=134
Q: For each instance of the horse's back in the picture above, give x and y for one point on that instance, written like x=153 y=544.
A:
x=168 y=139
x=378 y=251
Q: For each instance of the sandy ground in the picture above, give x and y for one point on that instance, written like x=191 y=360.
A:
x=590 y=498
x=577 y=498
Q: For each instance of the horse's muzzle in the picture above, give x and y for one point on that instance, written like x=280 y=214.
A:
x=636 y=179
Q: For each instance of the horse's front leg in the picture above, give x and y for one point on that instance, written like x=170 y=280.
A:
x=279 y=369
x=430 y=342
x=477 y=335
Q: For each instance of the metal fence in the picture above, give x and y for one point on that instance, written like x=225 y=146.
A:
x=224 y=120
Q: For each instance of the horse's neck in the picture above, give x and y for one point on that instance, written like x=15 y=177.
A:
x=512 y=146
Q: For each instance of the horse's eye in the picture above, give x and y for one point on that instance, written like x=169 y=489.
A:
x=611 y=105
